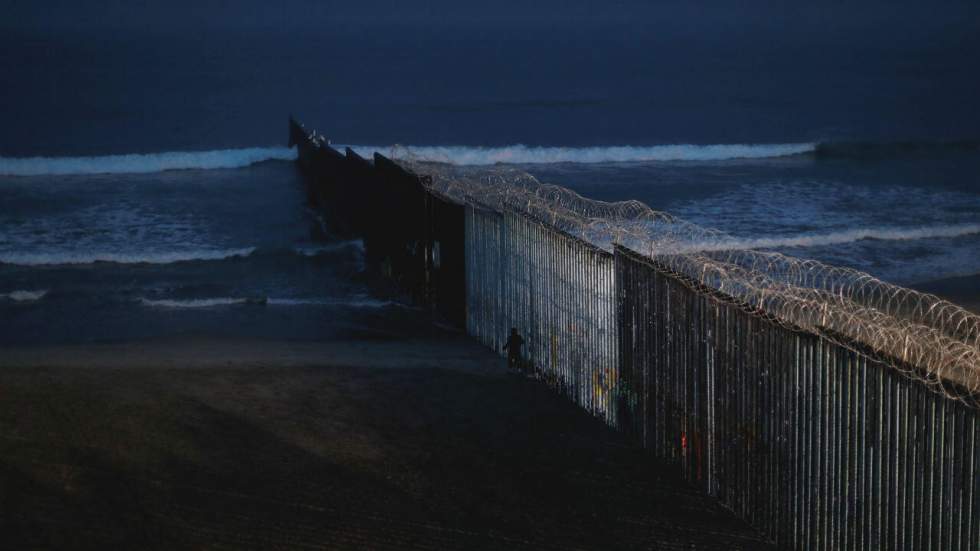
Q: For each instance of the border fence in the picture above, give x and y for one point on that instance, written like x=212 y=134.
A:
x=818 y=440
x=810 y=442
x=557 y=291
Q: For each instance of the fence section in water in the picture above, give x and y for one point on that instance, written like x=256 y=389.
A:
x=445 y=234
x=413 y=236
x=815 y=445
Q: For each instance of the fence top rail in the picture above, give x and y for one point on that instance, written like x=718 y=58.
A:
x=954 y=385
x=561 y=234
x=698 y=287
x=429 y=185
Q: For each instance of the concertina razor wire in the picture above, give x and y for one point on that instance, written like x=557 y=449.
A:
x=927 y=338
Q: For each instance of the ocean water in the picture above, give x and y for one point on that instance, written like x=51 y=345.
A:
x=146 y=191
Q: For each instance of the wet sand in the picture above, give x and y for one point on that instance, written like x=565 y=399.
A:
x=422 y=443
x=964 y=291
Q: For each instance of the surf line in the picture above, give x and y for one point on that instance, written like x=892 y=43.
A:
x=140 y=163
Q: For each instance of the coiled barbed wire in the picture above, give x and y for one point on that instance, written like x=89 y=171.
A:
x=920 y=334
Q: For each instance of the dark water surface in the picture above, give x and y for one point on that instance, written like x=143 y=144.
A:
x=88 y=256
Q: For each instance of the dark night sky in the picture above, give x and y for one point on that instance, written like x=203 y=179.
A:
x=875 y=18
x=638 y=71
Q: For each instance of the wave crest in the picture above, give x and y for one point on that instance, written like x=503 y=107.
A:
x=837 y=238
x=55 y=259
x=143 y=163
x=471 y=155
x=171 y=257
x=24 y=296
x=522 y=154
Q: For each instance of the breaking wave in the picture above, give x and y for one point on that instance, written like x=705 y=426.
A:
x=522 y=154
x=23 y=296
x=170 y=257
x=846 y=236
x=468 y=155
x=143 y=163
x=63 y=258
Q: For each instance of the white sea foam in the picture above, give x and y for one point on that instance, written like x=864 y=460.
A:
x=24 y=296
x=166 y=257
x=143 y=163
x=522 y=154
x=169 y=257
x=462 y=155
x=845 y=236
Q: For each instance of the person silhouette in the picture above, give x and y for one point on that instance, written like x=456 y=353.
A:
x=513 y=348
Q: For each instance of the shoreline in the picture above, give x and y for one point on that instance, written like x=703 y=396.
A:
x=449 y=351
x=964 y=291
x=425 y=443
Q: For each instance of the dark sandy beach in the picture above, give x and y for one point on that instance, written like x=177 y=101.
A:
x=963 y=291
x=421 y=443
